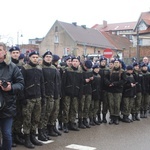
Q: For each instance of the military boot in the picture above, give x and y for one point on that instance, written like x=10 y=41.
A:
x=95 y=121
x=137 y=117
x=73 y=126
x=81 y=125
x=126 y=119
x=133 y=117
x=56 y=130
x=28 y=143
x=41 y=135
x=141 y=114
x=104 y=118
x=145 y=113
x=99 y=118
x=45 y=133
x=116 y=120
x=66 y=128
x=34 y=140
x=51 y=130
x=85 y=123
x=92 y=122
x=18 y=139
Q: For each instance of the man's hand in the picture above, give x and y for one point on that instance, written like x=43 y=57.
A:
x=8 y=88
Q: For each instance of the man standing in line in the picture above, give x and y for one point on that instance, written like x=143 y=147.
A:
x=11 y=82
x=18 y=119
x=34 y=97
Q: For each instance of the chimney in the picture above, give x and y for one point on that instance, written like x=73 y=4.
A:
x=83 y=26
x=74 y=23
x=104 y=23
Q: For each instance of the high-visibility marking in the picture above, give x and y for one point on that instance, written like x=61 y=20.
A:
x=80 y=147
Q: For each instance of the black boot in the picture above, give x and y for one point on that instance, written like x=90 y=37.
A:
x=85 y=123
x=141 y=114
x=126 y=119
x=116 y=120
x=73 y=126
x=28 y=143
x=81 y=125
x=137 y=117
x=133 y=117
x=95 y=121
x=111 y=120
x=99 y=118
x=18 y=139
x=34 y=140
x=60 y=126
x=51 y=130
x=56 y=131
x=92 y=122
x=104 y=118
x=145 y=113
x=66 y=128
x=41 y=136
x=45 y=132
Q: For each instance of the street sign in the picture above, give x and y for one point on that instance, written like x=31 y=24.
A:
x=108 y=53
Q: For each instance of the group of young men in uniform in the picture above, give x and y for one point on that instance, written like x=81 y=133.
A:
x=77 y=94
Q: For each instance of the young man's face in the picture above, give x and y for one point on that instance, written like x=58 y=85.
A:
x=15 y=54
x=34 y=59
x=96 y=70
x=136 y=67
x=68 y=62
x=130 y=71
x=75 y=63
x=103 y=63
x=48 y=58
x=145 y=68
x=2 y=53
x=116 y=64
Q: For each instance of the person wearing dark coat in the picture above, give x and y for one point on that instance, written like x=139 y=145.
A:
x=11 y=83
x=96 y=90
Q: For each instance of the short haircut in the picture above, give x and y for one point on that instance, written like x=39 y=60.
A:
x=3 y=45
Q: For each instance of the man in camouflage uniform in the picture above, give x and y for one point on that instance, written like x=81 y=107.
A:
x=72 y=91
x=34 y=94
x=85 y=101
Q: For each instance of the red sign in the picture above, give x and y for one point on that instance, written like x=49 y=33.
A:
x=108 y=53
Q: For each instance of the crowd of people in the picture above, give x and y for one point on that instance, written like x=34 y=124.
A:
x=78 y=94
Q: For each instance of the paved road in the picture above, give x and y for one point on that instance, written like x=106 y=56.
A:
x=126 y=136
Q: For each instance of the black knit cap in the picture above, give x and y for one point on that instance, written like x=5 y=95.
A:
x=56 y=57
x=95 y=66
x=129 y=67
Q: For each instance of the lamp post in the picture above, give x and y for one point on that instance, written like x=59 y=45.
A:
x=18 y=38
x=137 y=46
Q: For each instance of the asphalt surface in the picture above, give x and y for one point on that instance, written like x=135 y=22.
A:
x=125 y=136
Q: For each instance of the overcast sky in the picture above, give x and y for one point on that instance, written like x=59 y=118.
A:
x=34 y=18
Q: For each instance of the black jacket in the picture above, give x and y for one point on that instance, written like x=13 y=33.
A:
x=11 y=73
x=34 y=81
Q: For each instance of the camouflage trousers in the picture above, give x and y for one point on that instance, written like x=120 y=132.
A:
x=46 y=112
x=18 y=119
x=31 y=115
x=70 y=109
x=94 y=108
x=84 y=106
x=114 y=100
x=127 y=105
x=55 y=112
x=145 y=101
x=137 y=103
